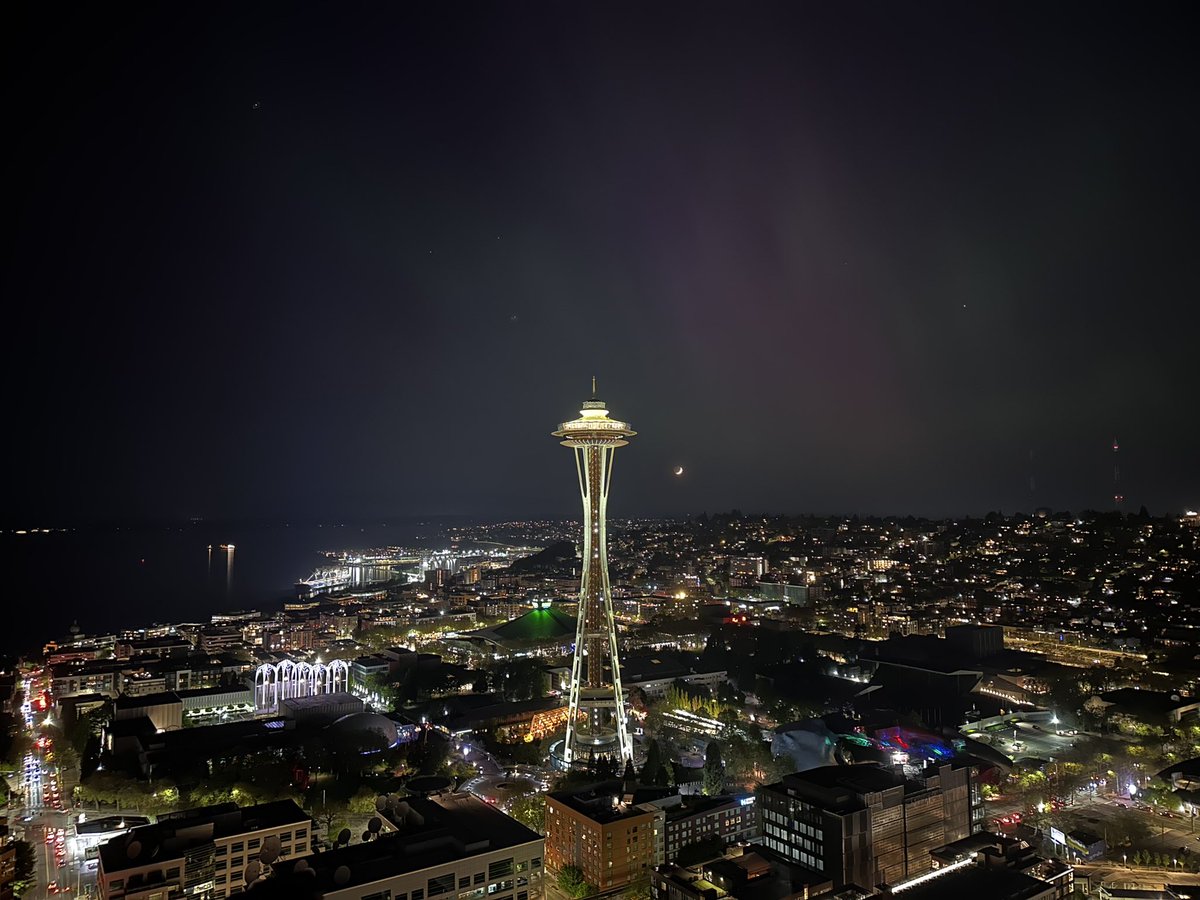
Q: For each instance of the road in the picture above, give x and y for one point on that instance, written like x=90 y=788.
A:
x=1133 y=876
x=1095 y=813
x=44 y=815
x=478 y=757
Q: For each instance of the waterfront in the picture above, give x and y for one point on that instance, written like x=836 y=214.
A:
x=112 y=577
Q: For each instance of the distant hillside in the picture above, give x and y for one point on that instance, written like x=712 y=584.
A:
x=555 y=558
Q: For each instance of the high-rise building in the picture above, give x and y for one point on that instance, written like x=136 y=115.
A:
x=866 y=825
x=596 y=724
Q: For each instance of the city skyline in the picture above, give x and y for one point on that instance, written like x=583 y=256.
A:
x=912 y=262
x=898 y=591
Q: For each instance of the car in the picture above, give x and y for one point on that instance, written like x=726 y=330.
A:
x=52 y=887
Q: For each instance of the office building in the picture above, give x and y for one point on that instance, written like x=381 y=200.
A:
x=206 y=852
x=452 y=846
x=689 y=820
x=866 y=825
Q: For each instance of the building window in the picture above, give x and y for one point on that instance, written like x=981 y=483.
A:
x=173 y=872
x=418 y=894
x=254 y=842
x=378 y=895
x=479 y=878
x=500 y=869
x=464 y=882
x=442 y=884
x=238 y=847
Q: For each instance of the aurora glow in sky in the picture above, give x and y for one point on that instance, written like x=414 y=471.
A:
x=362 y=259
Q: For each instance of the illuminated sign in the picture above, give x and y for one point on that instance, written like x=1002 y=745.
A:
x=746 y=801
x=1057 y=836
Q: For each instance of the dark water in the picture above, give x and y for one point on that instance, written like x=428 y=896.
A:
x=108 y=578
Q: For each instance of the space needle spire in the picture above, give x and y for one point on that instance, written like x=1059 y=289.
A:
x=596 y=724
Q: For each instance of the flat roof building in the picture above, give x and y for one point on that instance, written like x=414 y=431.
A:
x=208 y=852
x=603 y=832
x=452 y=845
x=866 y=825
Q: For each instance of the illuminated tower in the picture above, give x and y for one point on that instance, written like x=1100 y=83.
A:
x=596 y=714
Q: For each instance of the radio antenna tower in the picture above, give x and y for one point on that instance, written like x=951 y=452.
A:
x=1118 y=497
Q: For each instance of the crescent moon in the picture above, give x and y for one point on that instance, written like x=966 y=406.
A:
x=679 y=470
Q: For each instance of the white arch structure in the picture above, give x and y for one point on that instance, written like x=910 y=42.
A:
x=275 y=682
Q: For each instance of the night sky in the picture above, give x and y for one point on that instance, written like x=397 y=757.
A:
x=361 y=259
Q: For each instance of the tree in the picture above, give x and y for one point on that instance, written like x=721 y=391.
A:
x=363 y=802
x=519 y=679
x=328 y=813
x=26 y=863
x=713 y=782
x=1096 y=708
x=571 y=882
x=652 y=769
x=639 y=889
x=530 y=811
x=21 y=744
x=430 y=754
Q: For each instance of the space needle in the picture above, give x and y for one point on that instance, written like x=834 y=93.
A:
x=596 y=725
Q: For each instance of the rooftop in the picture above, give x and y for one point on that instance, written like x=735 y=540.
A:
x=603 y=802
x=841 y=788
x=434 y=830
x=163 y=697
x=537 y=625
x=978 y=884
x=637 y=667
x=172 y=835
